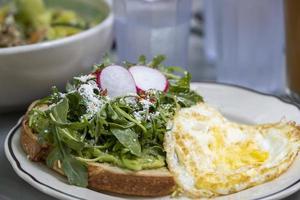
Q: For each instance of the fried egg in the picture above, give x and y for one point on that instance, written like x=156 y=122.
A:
x=209 y=155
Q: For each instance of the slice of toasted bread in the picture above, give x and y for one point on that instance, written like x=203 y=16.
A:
x=103 y=176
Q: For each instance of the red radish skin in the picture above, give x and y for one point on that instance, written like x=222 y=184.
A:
x=97 y=75
x=117 y=80
x=139 y=91
x=148 y=78
x=167 y=86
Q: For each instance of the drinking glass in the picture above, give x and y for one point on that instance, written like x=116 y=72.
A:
x=210 y=30
x=250 y=43
x=152 y=27
x=292 y=19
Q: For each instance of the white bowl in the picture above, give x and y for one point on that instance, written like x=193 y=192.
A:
x=28 y=72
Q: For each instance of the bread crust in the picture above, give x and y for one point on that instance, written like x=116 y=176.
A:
x=102 y=176
x=144 y=183
x=29 y=141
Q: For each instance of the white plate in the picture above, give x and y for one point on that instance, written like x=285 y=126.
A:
x=236 y=103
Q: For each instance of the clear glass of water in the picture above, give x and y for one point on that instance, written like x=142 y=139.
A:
x=210 y=30
x=152 y=27
x=249 y=43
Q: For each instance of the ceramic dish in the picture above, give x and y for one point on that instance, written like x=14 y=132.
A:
x=27 y=71
x=236 y=103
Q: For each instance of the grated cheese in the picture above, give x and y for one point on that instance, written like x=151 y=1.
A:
x=131 y=100
x=144 y=114
x=87 y=91
x=84 y=78
x=138 y=115
x=146 y=104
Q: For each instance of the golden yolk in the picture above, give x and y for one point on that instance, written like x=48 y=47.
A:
x=211 y=181
x=236 y=155
x=231 y=157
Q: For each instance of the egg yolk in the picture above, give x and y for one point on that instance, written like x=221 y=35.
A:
x=236 y=155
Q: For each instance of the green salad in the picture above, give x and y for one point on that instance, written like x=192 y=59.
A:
x=84 y=124
x=31 y=21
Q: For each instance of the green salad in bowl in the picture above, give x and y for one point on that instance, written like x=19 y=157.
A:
x=31 y=21
x=116 y=115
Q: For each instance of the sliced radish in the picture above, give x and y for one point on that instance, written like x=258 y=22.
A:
x=148 y=78
x=97 y=75
x=117 y=81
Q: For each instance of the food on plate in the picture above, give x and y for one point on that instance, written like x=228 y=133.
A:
x=117 y=81
x=139 y=129
x=31 y=21
x=209 y=155
x=106 y=131
x=148 y=78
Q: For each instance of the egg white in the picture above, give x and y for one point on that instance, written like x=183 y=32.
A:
x=210 y=156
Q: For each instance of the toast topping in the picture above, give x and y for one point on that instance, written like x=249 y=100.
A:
x=87 y=125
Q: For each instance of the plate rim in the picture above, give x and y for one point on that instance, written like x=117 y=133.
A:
x=47 y=189
x=27 y=176
x=247 y=89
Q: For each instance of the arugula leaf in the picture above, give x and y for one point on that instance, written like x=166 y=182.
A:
x=130 y=118
x=121 y=126
x=156 y=61
x=142 y=60
x=128 y=64
x=60 y=111
x=53 y=156
x=38 y=120
x=55 y=96
x=106 y=59
x=106 y=62
x=43 y=101
x=173 y=70
x=70 y=139
x=112 y=113
x=71 y=125
x=76 y=106
x=75 y=170
x=129 y=139
x=180 y=85
x=188 y=99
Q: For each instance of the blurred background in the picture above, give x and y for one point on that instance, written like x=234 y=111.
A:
x=45 y=43
x=230 y=41
x=252 y=44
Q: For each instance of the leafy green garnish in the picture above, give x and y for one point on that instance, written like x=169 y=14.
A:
x=142 y=60
x=157 y=60
x=127 y=131
x=59 y=112
x=129 y=139
x=76 y=171
x=64 y=142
